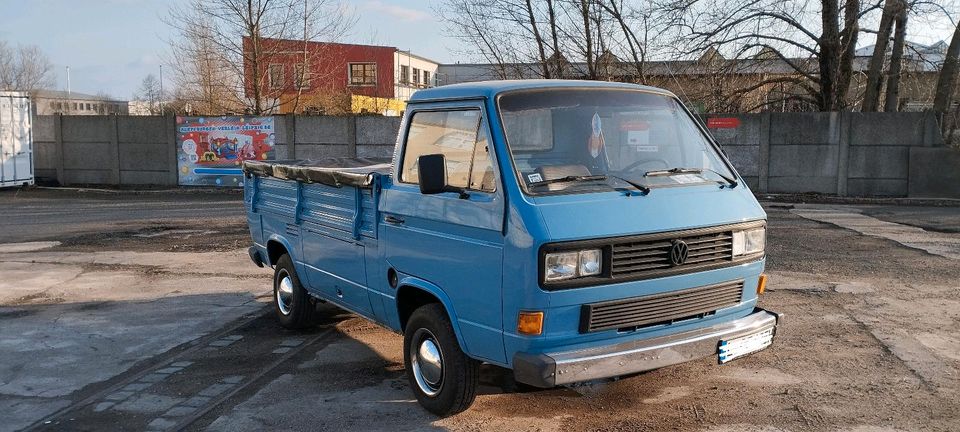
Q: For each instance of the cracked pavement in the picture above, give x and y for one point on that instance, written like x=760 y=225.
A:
x=155 y=321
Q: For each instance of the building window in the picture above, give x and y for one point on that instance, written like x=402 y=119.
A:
x=426 y=78
x=302 y=76
x=89 y=107
x=404 y=74
x=416 y=76
x=275 y=76
x=74 y=105
x=363 y=73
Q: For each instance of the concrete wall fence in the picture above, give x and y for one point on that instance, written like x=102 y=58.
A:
x=842 y=153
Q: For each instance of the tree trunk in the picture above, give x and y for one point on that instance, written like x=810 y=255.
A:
x=829 y=58
x=848 y=47
x=544 y=68
x=948 y=76
x=871 y=98
x=588 y=35
x=553 y=34
x=896 y=60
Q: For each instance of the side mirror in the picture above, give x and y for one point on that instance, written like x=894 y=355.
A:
x=432 y=170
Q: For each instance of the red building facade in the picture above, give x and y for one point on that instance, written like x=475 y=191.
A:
x=294 y=74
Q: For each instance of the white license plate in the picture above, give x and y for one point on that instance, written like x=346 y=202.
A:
x=741 y=346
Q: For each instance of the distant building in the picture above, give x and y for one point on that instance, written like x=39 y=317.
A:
x=323 y=76
x=46 y=102
x=713 y=83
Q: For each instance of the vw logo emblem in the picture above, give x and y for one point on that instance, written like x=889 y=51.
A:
x=678 y=252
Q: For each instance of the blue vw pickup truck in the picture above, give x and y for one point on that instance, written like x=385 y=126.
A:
x=566 y=230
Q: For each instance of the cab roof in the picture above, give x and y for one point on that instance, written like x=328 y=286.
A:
x=490 y=89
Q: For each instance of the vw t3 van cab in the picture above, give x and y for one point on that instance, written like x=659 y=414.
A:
x=566 y=230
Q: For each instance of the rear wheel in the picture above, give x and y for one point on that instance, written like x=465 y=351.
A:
x=443 y=378
x=292 y=304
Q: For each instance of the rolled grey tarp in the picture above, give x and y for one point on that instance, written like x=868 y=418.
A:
x=329 y=171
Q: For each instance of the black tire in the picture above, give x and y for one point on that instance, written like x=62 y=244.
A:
x=460 y=374
x=297 y=310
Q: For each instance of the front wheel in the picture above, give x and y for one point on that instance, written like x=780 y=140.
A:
x=443 y=378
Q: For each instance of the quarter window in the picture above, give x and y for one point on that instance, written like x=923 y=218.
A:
x=363 y=73
x=458 y=136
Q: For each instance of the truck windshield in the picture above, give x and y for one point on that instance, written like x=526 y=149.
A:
x=581 y=141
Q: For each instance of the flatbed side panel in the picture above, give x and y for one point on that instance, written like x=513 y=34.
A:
x=333 y=250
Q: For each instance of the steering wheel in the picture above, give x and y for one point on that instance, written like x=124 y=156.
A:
x=633 y=166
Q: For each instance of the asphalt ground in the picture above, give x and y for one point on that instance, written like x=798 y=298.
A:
x=143 y=313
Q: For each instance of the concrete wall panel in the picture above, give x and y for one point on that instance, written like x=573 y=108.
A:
x=803 y=161
x=803 y=128
x=895 y=129
x=934 y=172
x=381 y=151
x=746 y=159
x=877 y=187
x=321 y=130
x=801 y=184
x=87 y=176
x=377 y=130
x=142 y=129
x=318 y=151
x=43 y=128
x=86 y=128
x=145 y=157
x=88 y=156
x=878 y=162
x=748 y=133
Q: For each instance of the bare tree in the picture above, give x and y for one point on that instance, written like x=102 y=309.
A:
x=946 y=85
x=810 y=42
x=592 y=39
x=892 y=102
x=237 y=39
x=874 y=84
x=150 y=93
x=24 y=68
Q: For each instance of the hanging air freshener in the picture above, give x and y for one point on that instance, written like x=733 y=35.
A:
x=595 y=143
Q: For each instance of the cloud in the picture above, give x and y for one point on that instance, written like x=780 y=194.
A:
x=399 y=12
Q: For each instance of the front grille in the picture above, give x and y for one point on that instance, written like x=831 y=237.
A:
x=637 y=258
x=659 y=308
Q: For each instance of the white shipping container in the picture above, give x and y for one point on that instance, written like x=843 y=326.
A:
x=16 y=140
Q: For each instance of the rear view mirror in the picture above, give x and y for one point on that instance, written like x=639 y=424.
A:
x=432 y=170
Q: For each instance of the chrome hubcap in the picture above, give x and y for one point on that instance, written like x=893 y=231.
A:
x=427 y=363
x=285 y=293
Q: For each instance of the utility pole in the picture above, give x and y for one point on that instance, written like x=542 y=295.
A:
x=161 y=90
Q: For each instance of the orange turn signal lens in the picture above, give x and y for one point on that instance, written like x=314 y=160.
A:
x=530 y=323
x=761 y=284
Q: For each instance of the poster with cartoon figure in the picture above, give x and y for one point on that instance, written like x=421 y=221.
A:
x=211 y=150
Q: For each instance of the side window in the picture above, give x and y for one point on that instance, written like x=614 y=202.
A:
x=458 y=137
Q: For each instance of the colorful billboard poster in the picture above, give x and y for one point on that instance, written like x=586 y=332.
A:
x=210 y=150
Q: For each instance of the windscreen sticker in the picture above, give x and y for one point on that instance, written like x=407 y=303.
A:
x=687 y=178
x=595 y=143
x=648 y=148
x=535 y=177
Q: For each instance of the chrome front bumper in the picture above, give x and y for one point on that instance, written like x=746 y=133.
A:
x=551 y=369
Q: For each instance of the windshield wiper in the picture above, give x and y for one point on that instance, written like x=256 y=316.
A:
x=642 y=188
x=570 y=178
x=575 y=178
x=674 y=171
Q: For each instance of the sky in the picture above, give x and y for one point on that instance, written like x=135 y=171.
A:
x=111 y=45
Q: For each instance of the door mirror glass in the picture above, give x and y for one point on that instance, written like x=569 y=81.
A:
x=432 y=169
x=433 y=173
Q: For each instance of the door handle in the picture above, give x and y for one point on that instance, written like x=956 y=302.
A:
x=390 y=219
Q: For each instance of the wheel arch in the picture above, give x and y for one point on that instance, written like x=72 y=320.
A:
x=413 y=293
x=277 y=246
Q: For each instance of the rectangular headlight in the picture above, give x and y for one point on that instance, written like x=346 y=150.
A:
x=749 y=241
x=568 y=265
